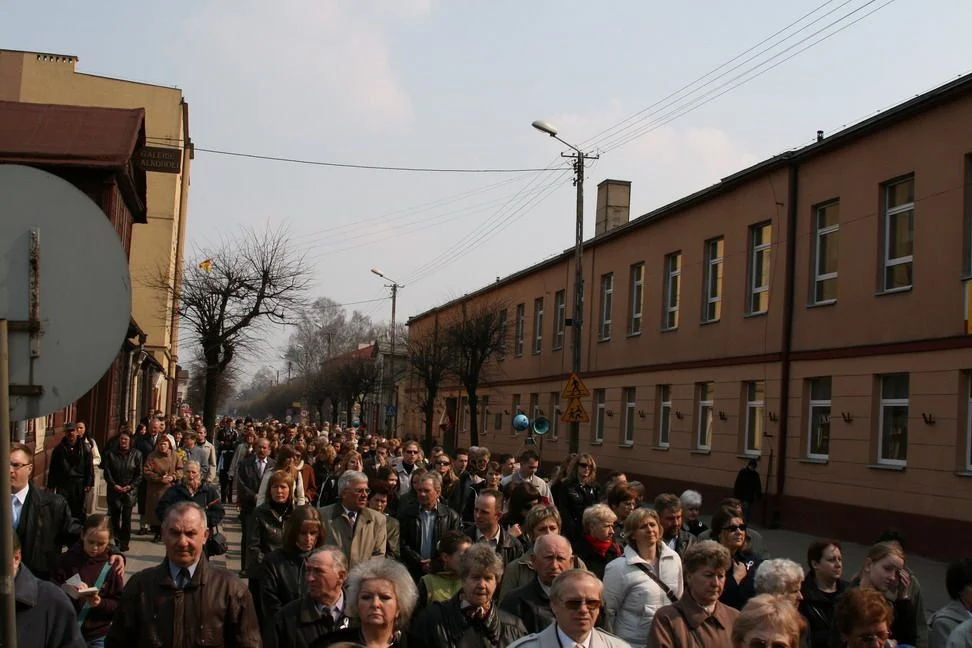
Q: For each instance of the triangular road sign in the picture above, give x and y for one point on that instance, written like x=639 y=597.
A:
x=574 y=388
x=575 y=413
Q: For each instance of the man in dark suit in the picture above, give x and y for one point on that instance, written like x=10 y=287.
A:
x=360 y=532
x=423 y=522
x=71 y=472
x=486 y=527
x=249 y=474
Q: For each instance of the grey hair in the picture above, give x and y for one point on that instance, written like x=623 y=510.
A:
x=566 y=578
x=480 y=558
x=597 y=513
x=190 y=464
x=181 y=508
x=337 y=556
x=778 y=576
x=433 y=477
x=380 y=568
x=691 y=498
x=349 y=477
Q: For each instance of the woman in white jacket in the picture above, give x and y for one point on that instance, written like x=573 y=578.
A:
x=647 y=577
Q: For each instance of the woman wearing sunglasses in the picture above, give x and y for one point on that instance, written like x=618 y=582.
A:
x=730 y=530
x=768 y=621
x=577 y=492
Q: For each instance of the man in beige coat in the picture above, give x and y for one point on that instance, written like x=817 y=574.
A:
x=359 y=531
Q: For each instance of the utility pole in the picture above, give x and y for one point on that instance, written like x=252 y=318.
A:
x=576 y=322
x=394 y=285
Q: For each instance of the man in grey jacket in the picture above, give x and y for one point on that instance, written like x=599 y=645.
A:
x=575 y=598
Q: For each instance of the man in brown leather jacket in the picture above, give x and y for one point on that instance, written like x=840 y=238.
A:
x=185 y=601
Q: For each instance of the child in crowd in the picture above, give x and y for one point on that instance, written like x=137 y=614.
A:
x=88 y=559
x=443 y=585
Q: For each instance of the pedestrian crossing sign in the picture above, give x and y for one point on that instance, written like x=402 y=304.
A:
x=574 y=389
x=575 y=412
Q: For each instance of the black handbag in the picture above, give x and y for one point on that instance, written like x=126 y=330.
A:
x=216 y=544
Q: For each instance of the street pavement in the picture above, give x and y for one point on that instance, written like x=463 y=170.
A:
x=782 y=544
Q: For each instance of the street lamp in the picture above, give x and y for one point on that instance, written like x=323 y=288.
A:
x=394 y=285
x=579 y=157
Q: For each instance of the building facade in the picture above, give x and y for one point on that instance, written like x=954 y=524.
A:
x=157 y=246
x=809 y=311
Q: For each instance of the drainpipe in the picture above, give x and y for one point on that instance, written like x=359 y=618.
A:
x=789 y=302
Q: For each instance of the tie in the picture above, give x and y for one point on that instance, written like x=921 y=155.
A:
x=15 y=507
x=182 y=580
x=262 y=464
x=352 y=518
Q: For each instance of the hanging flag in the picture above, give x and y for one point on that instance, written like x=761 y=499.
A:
x=206 y=265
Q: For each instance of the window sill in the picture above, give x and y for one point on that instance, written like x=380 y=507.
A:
x=558 y=348
x=626 y=445
x=671 y=329
x=759 y=314
x=604 y=339
x=893 y=291
x=963 y=473
x=890 y=467
x=700 y=452
x=709 y=322
x=597 y=443
x=634 y=334
x=822 y=304
x=810 y=460
x=660 y=448
x=536 y=353
x=749 y=455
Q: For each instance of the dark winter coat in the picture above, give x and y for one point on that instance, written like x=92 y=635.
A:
x=248 y=480
x=818 y=609
x=207 y=497
x=70 y=464
x=748 y=487
x=410 y=533
x=596 y=562
x=282 y=581
x=76 y=561
x=508 y=547
x=444 y=625
x=531 y=605
x=736 y=594
x=122 y=469
x=572 y=499
x=46 y=526
x=265 y=535
x=45 y=616
x=299 y=625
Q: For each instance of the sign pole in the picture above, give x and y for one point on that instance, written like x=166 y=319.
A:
x=8 y=610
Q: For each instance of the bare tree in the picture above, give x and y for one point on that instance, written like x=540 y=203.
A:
x=225 y=384
x=355 y=379
x=428 y=359
x=229 y=294
x=474 y=338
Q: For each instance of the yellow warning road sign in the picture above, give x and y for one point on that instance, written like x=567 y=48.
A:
x=575 y=413
x=574 y=388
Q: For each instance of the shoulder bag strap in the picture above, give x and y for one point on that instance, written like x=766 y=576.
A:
x=658 y=581
x=85 y=609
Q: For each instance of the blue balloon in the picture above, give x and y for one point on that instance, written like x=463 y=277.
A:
x=521 y=422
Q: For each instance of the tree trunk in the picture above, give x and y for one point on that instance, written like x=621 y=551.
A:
x=473 y=402
x=429 y=437
x=209 y=393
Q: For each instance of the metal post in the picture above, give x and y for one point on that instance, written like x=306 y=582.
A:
x=391 y=362
x=8 y=610
x=574 y=436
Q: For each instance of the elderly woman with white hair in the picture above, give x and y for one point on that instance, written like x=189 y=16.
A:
x=597 y=546
x=780 y=577
x=381 y=597
x=692 y=506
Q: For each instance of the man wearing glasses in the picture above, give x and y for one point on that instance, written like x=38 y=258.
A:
x=360 y=532
x=410 y=458
x=575 y=599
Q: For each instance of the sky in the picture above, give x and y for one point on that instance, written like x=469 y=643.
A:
x=456 y=84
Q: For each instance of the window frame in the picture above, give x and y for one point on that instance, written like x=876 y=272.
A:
x=560 y=318
x=819 y=233
x=673 y=285
x=555 y=415
x=755 y=410
x=812 y=406
x=537 y=325
x=755 y=250
x=519 y=332
x=598 y=420
x=704 y=404
x=712 y=264
x=636 y=298
x=664 y=396
x=629 y=398
x=887 y=403
x=887 y=213
x=607 y=304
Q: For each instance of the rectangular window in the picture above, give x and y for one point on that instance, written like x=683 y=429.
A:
x=516 y=405
x=534 y=405
x=560 y=318
x=899 y=232
x=712 y=290
x=760 y=246
x=893 y=439
x=554 y=415
x=664 y=415
x=628 y=422
x=673 y=290
x=636 y=298
x=826 y=237
x=537 y=324
x=598 y=429
x=498 y=421
x=755 y=416
x=703 y=427
x=607 y=295
x=520 y=324
x=818 y=436
x=502 y=327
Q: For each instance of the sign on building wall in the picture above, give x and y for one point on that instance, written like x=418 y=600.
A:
x=160 y=159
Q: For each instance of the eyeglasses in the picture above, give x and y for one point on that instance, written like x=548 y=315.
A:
x=583 y=465
x=362 y=491
x=575 y=604
x=870 y=638
x=442 y=463
x=735 y=527
x=18 y=466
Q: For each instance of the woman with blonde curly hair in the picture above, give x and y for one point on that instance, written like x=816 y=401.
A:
x=768 y=620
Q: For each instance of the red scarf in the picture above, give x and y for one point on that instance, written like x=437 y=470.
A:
x=600 y=547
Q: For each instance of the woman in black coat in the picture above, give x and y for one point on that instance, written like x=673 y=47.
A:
x=283 y=570
x=729 y=530
x=822 y=588
x=266 y=528
x=576 y=493
x=597 y=546
x=193 y=490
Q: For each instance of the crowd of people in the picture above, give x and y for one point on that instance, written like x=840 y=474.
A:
x=350 y=539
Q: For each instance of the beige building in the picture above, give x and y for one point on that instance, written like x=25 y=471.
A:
x=157 y=247
x=809 y=311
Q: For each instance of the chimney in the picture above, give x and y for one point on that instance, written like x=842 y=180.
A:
x=819 y=135
x=613 y=205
